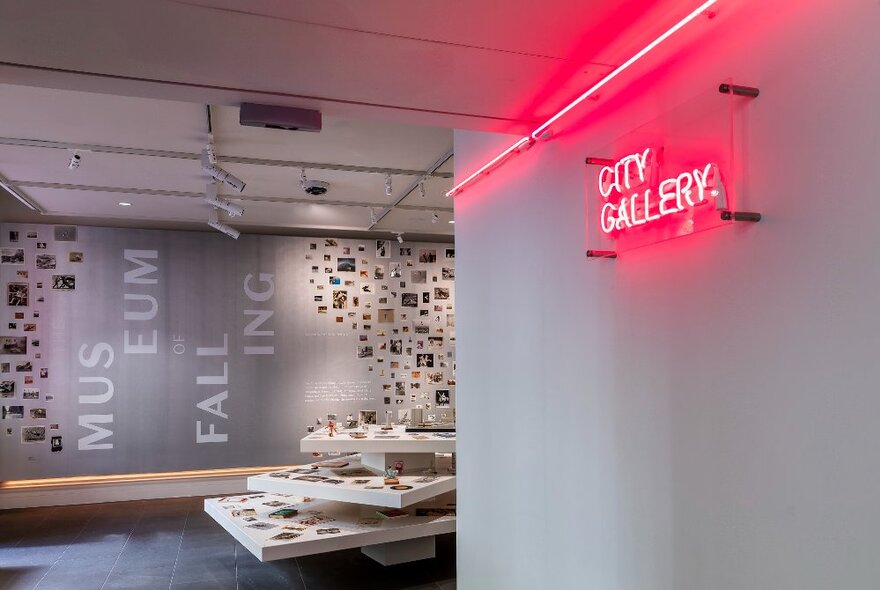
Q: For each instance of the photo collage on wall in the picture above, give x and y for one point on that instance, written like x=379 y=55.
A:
x=398 y=299
x=33 y=267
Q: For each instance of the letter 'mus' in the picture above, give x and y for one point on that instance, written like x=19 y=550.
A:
x=88 y=443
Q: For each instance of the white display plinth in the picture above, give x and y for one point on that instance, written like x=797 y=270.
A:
x=349 y=519
x=287 y=482
x=401 y=551
x=377 y=440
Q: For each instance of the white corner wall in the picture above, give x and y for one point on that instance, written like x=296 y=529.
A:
x=705 y=413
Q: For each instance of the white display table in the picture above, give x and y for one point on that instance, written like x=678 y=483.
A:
x=355 y=483
x=382 y=448
x=358 y=526
x=338 y=505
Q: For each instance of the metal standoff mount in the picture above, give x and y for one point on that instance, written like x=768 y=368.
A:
x=740 y=216
x=746 y=91
x=601 y=254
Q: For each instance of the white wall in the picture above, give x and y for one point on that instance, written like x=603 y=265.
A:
x=703 y=413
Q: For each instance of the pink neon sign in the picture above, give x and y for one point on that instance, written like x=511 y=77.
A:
x=635 y=195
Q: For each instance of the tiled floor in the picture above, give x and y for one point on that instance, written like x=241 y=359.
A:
x=174 y=544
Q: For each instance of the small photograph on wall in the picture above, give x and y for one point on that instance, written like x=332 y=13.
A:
x=367 y=416
x=409 y=299
x=379 y=272
x=45 y=261
x=427 y=256
x=425 y=360
x=441 y=396
x=386 y=316
x=33 y=434
x=434 y=377
x=7 y=389
x=421 y=328
x=13 y=236
x=24 y=367
x=38 y=413
x=12 y=413
x=399 y=388
x=340 y=299
x=441 y=293
x=394 y=270
x=5 y=368
x=383 y=249
x=13 y=344
x=448 y=273
x=345 y=265
x=330 y=243
x=30 y=393
x=450 y=252
x=435 y=341
x=396 y=347
x=11 y=255
x=365 y=352
x=63 y=282
x=17 y=294
x=418 y=277
x=74 y=256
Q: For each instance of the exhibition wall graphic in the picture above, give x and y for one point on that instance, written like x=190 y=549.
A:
x=132 y=351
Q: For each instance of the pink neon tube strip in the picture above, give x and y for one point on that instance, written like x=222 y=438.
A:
x=616 y=72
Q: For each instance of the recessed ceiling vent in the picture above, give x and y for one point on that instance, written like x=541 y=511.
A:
x=275 y=117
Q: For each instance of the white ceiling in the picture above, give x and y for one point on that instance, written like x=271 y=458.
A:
x=392 y=78
x=272 y=198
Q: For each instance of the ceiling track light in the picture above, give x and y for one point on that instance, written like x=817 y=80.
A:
x=541 y=132
x=399 y=235
x=214 y=221
x=388 y=188
x=75 y=160
x=422 y=189
x=218 y=173
x=215 y=201
x=373 y=219
x=434 y=217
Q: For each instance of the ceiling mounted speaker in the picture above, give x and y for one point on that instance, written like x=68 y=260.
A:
x=275 y=117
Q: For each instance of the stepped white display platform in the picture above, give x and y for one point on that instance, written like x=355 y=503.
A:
x=381 y=448
x=338 y=506
x=355 y=483
x=357 y=525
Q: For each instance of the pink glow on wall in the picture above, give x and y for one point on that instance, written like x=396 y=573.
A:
x=544 y=129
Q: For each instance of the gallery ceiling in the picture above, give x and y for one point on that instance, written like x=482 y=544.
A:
x=145 y=152
x=391 y=77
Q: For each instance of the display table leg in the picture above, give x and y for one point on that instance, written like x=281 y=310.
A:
x=401 y=551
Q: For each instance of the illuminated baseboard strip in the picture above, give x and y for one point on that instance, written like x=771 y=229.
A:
x=56 y=482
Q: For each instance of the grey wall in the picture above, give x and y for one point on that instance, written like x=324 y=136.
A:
x=273 y=378
x=702 y=413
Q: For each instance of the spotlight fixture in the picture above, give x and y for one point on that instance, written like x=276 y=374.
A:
x=124 y=204
x=399 y=237
x=209 y=165
x=388 y=189
x=75 y=160
x=212 y=199
x=214 y=221
x=434 y=217
x=373 y=220
x=422 y=189
x=451 y=221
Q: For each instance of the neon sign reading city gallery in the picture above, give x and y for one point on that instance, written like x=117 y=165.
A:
x=635 y=195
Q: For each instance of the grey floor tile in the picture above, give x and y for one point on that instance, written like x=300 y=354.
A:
x=133 y=580
x=21 y=578
x=73 y=580
x=204 y=567
x=229 y=584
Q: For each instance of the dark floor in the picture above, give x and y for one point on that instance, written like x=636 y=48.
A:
x=174 y=544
